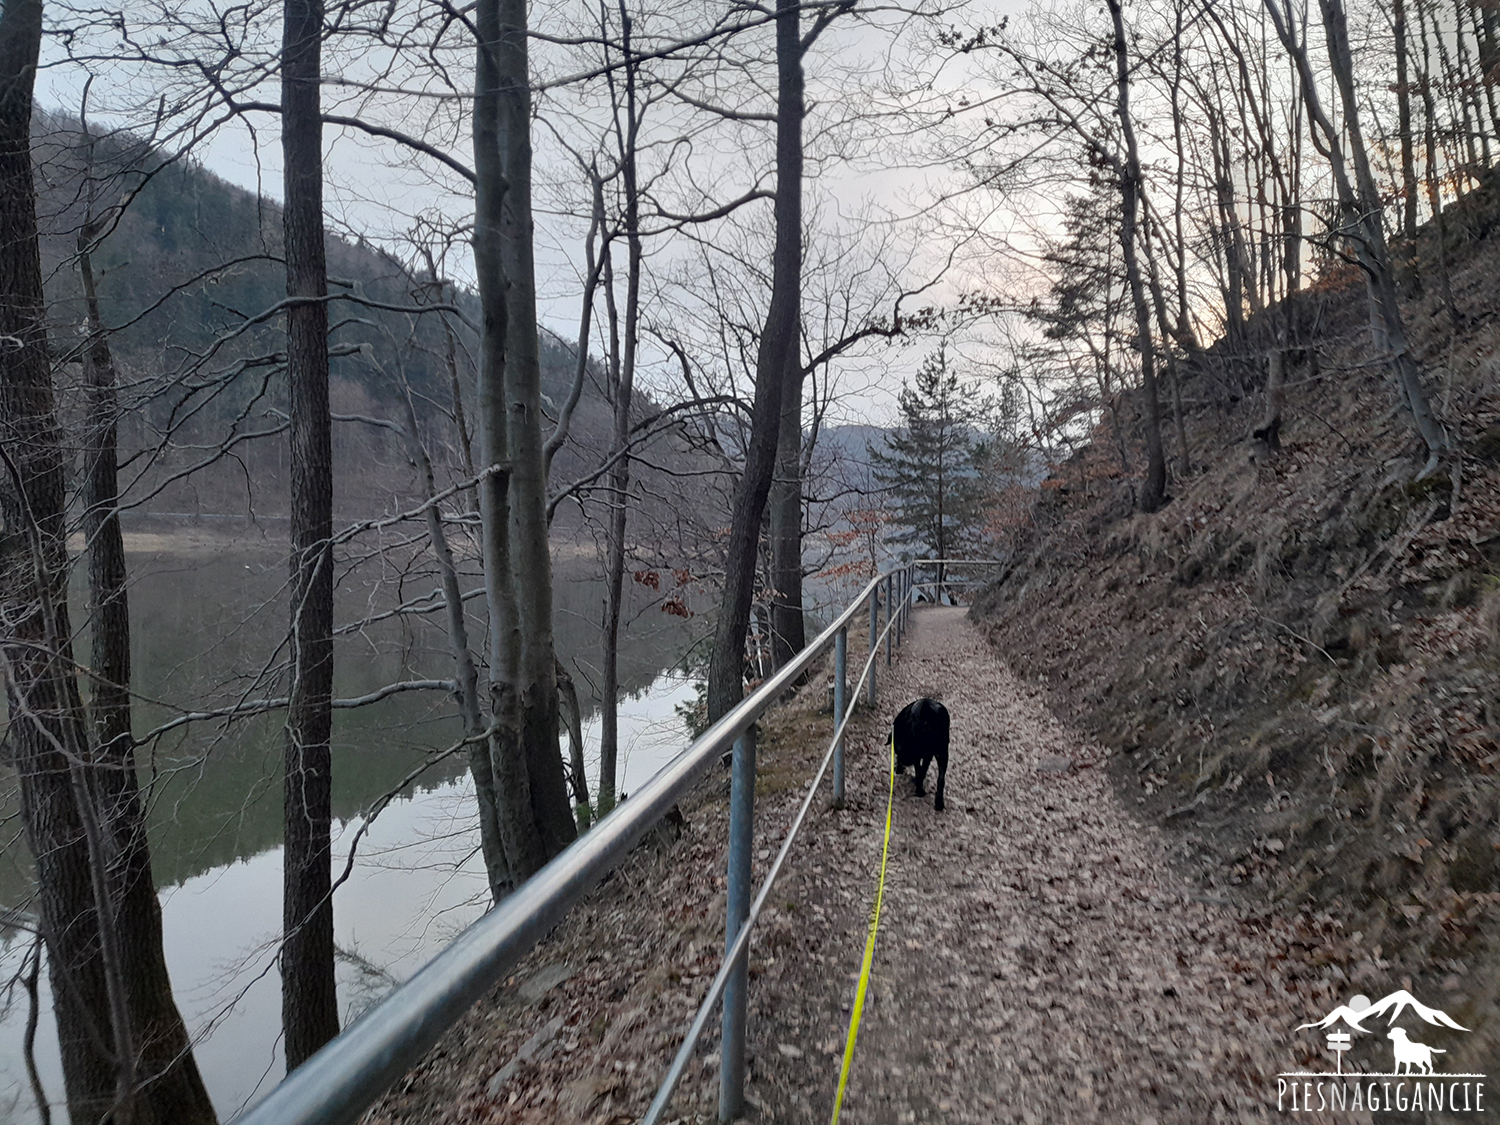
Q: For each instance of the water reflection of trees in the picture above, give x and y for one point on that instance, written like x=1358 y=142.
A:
x=205 y=622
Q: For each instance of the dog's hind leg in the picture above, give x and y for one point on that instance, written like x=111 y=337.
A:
x=942 y=763
x=921 y=771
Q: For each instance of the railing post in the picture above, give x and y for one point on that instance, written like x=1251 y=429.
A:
x=895 y=616
x=741 y=841
x=890 y=612
x=874 y=632
x=840 y=688
x=905 y=602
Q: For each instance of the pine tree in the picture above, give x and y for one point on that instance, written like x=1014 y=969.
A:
x=929 y=469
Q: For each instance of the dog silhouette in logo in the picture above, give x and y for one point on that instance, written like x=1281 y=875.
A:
x=1412 y=1054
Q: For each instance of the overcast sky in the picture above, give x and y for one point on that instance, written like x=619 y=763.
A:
x=881 y=177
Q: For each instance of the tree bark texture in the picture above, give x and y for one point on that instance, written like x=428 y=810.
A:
x=578 y=780
x=166 y=1068
x=532 y=802
x=524 y=852
x=1362 y=207
x=777 y=350
x=622 y=386
x=113 y=1029
x=528 y=479
x=1403 y=124
x=41 y=697
x=309 y=998
x=1153 y=490
x=1438 y=231
x=467 y=673
x=48 y=740
x=788 y=623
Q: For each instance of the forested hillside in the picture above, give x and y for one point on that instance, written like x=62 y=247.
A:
x=187 y=273
x=1297 y=661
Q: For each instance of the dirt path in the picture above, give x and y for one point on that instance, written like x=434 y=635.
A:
x=1038 y=960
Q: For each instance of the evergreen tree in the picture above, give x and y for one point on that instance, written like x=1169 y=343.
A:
x=929 y=469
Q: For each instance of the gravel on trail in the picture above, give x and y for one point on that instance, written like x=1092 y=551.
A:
x=1039 y=957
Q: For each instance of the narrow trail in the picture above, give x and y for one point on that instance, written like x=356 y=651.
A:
x=1038 y=960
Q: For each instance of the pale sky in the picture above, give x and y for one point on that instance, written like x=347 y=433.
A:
x=881 y=182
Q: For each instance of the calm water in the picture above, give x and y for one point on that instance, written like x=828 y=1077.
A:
x=206 y=621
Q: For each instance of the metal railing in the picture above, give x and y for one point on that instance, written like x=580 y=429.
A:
x=730 y=981
x=944 y=576
x=338 y=1083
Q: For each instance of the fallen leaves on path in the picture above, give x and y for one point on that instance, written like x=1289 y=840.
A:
x=1039 y=960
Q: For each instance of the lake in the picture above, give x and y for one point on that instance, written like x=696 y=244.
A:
x=208 y=610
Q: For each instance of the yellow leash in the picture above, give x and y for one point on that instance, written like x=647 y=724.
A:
x=864 y=970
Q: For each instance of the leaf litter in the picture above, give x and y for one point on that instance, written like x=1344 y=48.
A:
x=1039 y=958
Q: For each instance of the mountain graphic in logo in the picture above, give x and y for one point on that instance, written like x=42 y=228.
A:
x=1396 y=1003
x=1413 y=1082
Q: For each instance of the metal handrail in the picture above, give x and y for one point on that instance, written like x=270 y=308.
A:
x=337 y=1084
x=741 y=943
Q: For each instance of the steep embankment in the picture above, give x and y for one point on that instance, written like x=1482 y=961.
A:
x=1297 y=661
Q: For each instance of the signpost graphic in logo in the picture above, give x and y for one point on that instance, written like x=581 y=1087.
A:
x=1398 y=1070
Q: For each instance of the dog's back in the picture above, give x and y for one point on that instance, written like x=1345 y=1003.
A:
x=921 y=736
x=921 y=729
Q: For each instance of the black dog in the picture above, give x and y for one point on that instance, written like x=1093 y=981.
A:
x=921 y=735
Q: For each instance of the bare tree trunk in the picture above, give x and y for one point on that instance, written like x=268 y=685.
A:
x=1234 y=266
x=614 y=563
x=942 y=520
x=524 y=850
x=788 y=623
x=623 y=390
x=46 y=723
x=1439 y=232
x=1106 y=389
x=490 y=845
x=1185 y=334
x=1363 y=199
x=528 y=481
x=456 y=392
x=1403 y=125
x=309 y=996
x=1268 y=433
x=1174 y=383
x=481 y=765
x=578 y=779
x=1468 y=97
x=776 y=352
x=1154 y=489
x=1485 y=34
x=42 y=700
x=1360 y=202
x=535 y=821
x=30 y=971
x=166 y=1068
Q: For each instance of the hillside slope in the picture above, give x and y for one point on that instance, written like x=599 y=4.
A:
x=186 y=273
x=1297 y=662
